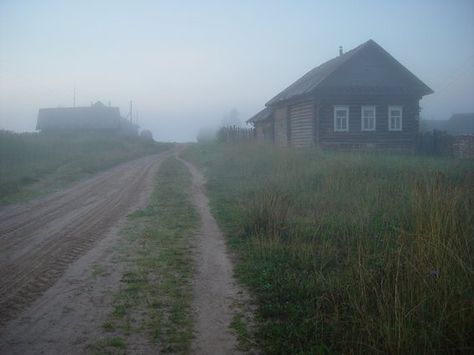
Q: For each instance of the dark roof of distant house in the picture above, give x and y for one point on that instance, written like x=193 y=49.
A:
x=461 y=123
x=427 y=125
x=261 y=115
x=337 y=72
x=463 y=116
x=96 y=116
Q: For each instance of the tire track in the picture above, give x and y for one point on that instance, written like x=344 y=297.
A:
x=48 y=209
x=39 y=242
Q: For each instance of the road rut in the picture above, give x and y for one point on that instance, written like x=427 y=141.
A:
x=39 y=239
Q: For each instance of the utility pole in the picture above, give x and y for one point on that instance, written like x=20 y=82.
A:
x=131 y=112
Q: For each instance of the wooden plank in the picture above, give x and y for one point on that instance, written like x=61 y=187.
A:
x=301 y=124
x=280 y=126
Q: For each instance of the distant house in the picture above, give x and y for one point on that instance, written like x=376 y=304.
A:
x=96 y=117
x=363 y=98
x=458 y=124
x=427 y=125
x=461 y=123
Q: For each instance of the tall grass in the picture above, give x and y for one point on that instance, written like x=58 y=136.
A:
x=28 y=158
x=353 y=253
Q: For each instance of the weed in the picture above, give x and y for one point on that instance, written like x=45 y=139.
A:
x=348 y=252
x=120 y=310
x=156 y=291
x=108 y=345
x=240 y=325
x=108 y=326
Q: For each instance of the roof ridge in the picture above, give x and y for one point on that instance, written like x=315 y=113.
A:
x=338 y=61
x=306 y=84
x=346 y=56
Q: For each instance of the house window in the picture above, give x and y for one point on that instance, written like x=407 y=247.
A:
x=368 y=118
x=341 y=118
x=395 y=118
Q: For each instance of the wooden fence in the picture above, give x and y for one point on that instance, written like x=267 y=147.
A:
x=234 y=134
x=440 y=143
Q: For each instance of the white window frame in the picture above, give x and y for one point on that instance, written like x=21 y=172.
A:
x=395 y=108
x=341 y=108
x=364 y=129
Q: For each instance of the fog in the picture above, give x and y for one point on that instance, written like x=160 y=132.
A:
x=187 y=64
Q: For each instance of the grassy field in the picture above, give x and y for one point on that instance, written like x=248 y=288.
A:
x=352 y=253
x=155 y=298
x=32 y=163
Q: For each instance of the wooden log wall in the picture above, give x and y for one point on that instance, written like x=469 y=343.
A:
x=381 y=138
x=301 y=124
x=281 y=126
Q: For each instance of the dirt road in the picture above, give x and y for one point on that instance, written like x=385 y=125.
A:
x=58 y=280
x=38 y=240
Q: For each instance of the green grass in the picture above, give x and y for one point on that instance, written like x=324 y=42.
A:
x=155 y=296
x=35 y=163
x=109 y=345
x=241 y=325
x=348 y=253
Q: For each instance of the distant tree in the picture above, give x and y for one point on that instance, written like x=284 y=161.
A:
x=232 y=119
x=146 y=134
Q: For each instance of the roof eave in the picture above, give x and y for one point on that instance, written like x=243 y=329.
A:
x=428 y=91
x=292 y=98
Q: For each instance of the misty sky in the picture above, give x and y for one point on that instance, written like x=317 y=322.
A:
x=186 y=64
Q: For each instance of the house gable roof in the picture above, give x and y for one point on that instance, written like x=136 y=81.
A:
x=367 y=65
x=261 y=115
